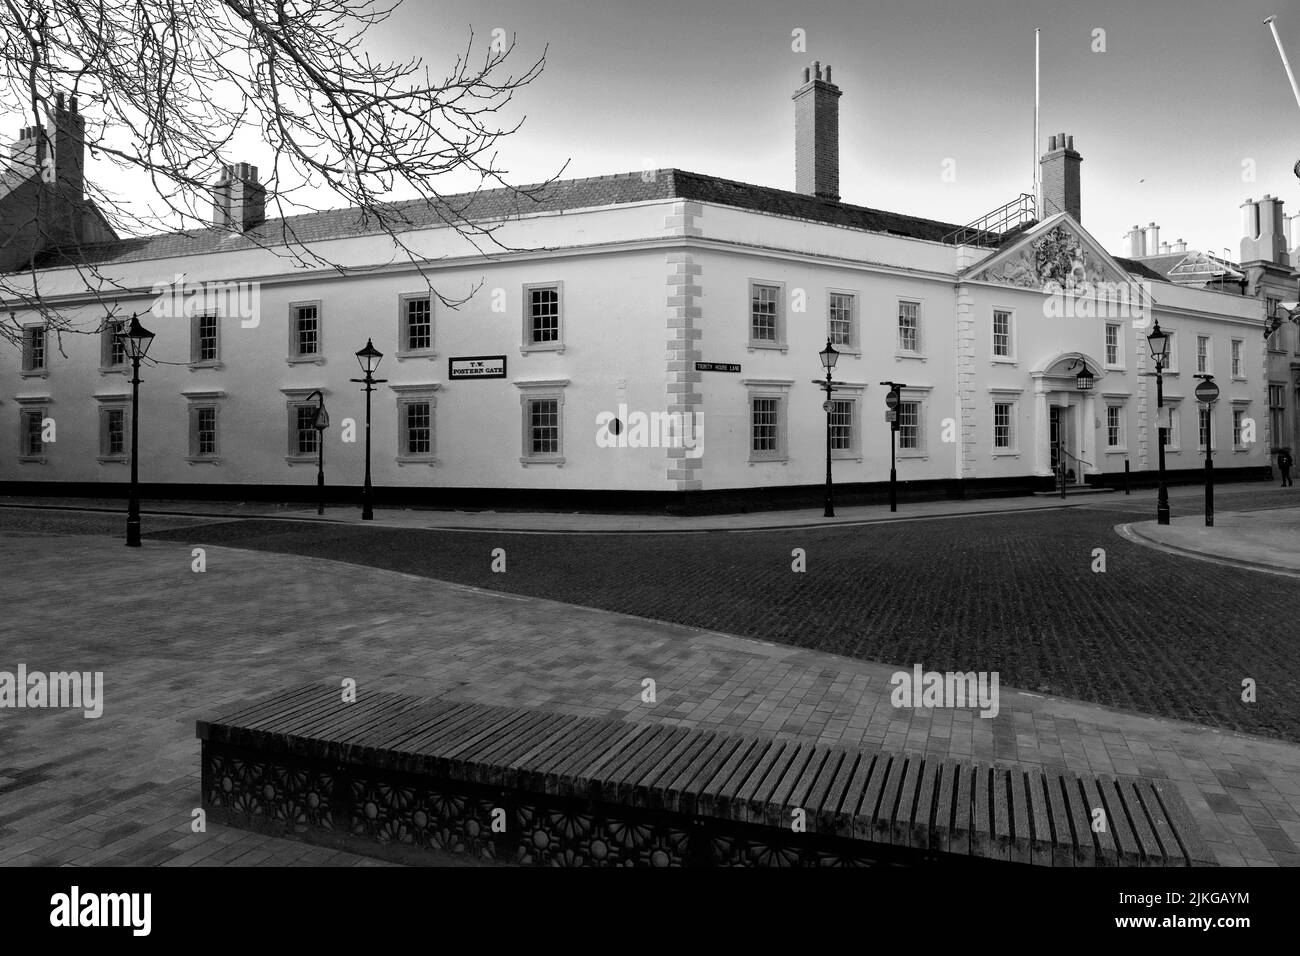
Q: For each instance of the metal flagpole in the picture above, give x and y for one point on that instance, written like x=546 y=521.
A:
x=1038 y=199
x=1285 y=62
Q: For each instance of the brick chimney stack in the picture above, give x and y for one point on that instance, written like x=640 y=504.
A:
x=238 y=199
x=817 y=134
x=1059 y=172
x=67 y=131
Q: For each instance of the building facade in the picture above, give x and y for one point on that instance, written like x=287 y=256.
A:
x=653 y=334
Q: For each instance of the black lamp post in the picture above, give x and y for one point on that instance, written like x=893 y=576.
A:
x=369 y=357
x=829 y=357
x=136 y=339
x=1159 y=343
x=892 y=401
x=1207 y=393
x=320 y=421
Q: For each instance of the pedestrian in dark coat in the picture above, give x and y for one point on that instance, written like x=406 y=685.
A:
x=1284 y=463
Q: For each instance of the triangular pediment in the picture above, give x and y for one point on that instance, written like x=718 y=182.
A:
x=1055 y=256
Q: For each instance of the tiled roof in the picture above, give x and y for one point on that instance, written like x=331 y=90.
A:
x=497 y=204
x=1133 y=267
x=1162 y=264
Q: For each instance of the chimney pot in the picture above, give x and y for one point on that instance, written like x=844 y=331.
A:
x=72 y=104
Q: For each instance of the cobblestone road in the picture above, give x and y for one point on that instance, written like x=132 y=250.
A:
x=1017 y=594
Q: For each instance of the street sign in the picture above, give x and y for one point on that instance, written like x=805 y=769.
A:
x=717 y=367
x=891 y=400
x=477 y=366
x=891 y=416
x=1207 y=392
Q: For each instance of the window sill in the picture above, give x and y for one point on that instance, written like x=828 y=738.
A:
x=848 y=350
x=112 y=459
x=300 y=460
x=1238 y=378
x=1241 y=451
x=1005 y=454
x=197 y=366
x=846 y=456
x=1014 y=363
x=767 y=347
x=421 y=354
x=768 y=461
x=557 y=462
x=36 y=373
x=915 y=456
x=530 y=349
x=113 y=370
x=304 y=360
x=1116 y=368
x=31 y=459
x=203 y=461
x=415 y=460
x=1122 y=451
x=914 y=356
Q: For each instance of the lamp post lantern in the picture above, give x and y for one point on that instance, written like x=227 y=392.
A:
x=369 y=357
x=1158 y=341
x=136 y=339
x=320 y=421
x=829 y=357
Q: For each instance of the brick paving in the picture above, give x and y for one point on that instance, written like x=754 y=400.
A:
x=175 y=645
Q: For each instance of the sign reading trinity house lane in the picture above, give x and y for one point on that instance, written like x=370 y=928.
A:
x=477 y=366
x=717 y=367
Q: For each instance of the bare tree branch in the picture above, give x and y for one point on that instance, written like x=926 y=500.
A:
x=167 y=86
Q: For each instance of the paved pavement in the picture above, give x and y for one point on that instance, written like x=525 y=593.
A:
x=175 y=645
x=1262 y=540
x=1186 y=498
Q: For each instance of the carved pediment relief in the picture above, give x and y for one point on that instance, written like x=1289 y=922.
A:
x=1056 y=261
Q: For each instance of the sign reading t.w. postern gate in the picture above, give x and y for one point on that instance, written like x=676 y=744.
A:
x=477 y=366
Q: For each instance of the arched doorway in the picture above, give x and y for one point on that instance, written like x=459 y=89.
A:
x=1065 y=423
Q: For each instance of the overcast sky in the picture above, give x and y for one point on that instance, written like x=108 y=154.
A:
x=1185 y=92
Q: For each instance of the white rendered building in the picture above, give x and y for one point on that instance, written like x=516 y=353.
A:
x=657 y=344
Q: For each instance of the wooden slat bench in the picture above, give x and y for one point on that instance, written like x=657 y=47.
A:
x=392 y=775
